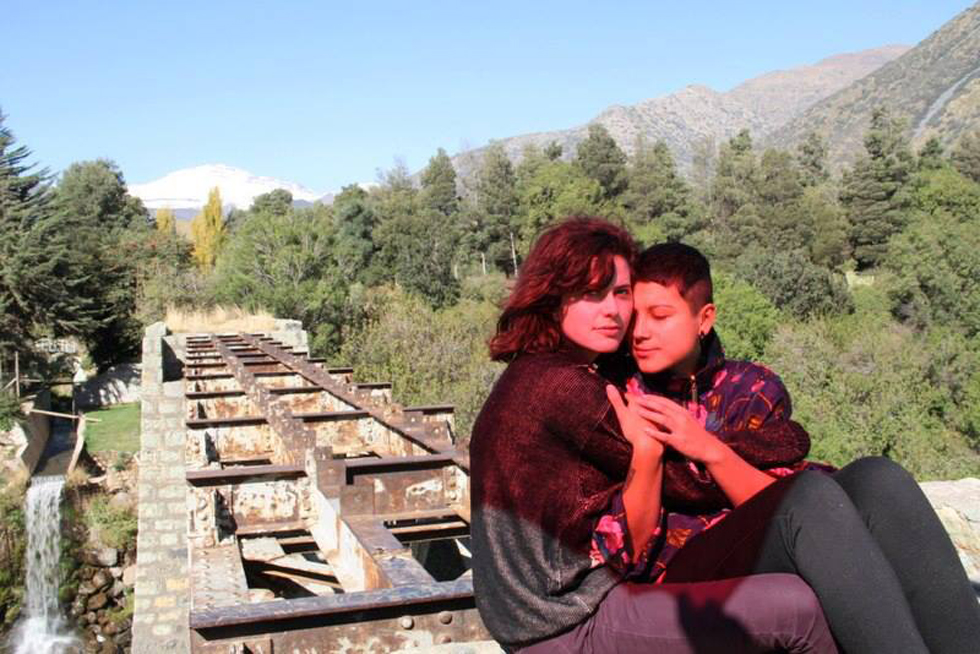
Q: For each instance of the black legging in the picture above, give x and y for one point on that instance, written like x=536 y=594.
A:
x=869 y=544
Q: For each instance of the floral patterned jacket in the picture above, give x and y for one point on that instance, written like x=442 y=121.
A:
x=746 y=405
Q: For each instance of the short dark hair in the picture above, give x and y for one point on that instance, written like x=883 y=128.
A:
x=678 y=265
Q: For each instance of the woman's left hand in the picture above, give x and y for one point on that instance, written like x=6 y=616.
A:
x=675 y=427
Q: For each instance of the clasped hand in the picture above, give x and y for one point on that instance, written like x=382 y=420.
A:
x=666 y=422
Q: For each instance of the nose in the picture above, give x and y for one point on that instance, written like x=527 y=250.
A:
x=609 y=306
x=640 y=328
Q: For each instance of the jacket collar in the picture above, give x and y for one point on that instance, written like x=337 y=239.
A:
x=712 y=360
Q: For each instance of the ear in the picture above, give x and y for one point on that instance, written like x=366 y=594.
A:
x=706 y=318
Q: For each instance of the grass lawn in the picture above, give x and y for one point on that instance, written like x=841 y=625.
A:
x=119 y=430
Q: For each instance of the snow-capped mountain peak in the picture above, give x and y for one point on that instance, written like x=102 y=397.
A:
x=189 y=188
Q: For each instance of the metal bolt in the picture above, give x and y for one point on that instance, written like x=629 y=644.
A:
x=445 y=617
x=406 y=622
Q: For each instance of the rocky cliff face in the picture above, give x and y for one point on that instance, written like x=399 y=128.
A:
x=696 y=113
x=958 y=505
x=935 y=85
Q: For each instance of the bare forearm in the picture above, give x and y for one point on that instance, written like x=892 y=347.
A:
x=641 y=496
x=738 y=479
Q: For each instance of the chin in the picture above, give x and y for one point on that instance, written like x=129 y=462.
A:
x=650 y=367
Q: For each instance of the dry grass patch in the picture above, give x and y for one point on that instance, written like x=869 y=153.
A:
x=218 y=319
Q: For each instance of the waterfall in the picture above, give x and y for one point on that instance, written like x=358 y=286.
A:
x=42 y=629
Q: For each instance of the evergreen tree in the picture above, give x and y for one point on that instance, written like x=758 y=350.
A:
x=207 y=231
x=703 y=161
x=497 y=204
x=285 y=265
x=555 y=190
x=653 y=186
x=354 y=246
x=931 y=155
x=874 y=190
x=113 y=241
x=553 y=151
x=736 y=177
x=277 y=202
x=395 y=194
x=93 y=194
x=600 y=158
x=811 y=156
x=417 y=251
x=41 y=285
x=439 y=185
x=166 y=221
x=966 y=155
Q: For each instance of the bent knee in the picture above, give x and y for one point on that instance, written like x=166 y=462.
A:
x=876 y=468
x=813 y=488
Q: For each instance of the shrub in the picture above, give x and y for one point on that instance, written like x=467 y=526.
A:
x=110 y=525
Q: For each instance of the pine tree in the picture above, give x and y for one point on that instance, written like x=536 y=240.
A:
x=966 y=155
x=931 y=155
x=873 y=192
x=277 y=202
x=811 y=156
x=600 y=158
x=655 y=192
x=41 y=287
x=207 y=231
x=166 y=221
x=736 y=178
x=496 y=200
x=439 y=185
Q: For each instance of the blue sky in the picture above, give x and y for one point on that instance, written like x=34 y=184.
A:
x=327 y=93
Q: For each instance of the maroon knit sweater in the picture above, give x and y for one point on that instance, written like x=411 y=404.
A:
x=546 y=457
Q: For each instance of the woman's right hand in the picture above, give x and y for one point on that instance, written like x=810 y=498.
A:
x=634 y=426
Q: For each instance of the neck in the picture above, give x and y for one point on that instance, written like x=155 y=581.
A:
x=688 y=367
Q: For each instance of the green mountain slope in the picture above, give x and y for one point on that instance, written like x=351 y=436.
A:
x=935 y=86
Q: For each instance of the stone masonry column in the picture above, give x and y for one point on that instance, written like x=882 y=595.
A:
x=160 y=619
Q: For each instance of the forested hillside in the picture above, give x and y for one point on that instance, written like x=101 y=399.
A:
x=403 y=281
x=935 y=87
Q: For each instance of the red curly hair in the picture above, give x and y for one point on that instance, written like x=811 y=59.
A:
x=574 y=256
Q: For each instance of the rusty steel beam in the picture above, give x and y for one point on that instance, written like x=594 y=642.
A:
x=353 y=606
x=295 y=437
x=242 y=474
x=300 y=418
x=322 y=378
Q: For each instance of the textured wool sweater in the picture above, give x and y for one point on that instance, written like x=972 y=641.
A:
x=547 y=456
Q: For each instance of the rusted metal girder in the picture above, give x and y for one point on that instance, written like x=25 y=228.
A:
x=360 y=518
x=296 y=437
x=387 y=419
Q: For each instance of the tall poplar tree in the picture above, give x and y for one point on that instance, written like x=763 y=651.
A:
x=166 y=221
x=208 y=231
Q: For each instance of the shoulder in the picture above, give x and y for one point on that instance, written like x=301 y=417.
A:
x=748 y=377
x=555 y=383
